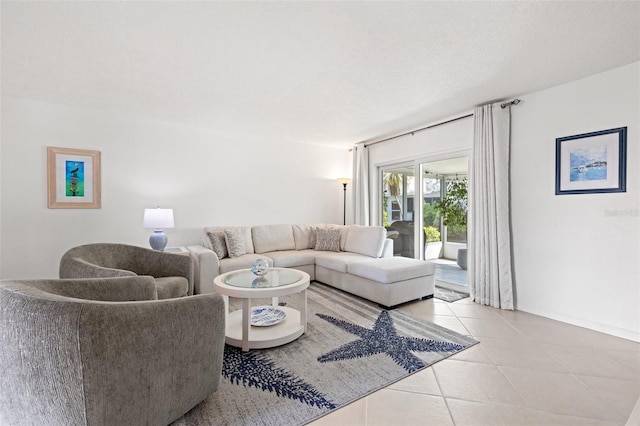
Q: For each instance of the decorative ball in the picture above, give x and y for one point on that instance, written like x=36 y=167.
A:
x=260 y=267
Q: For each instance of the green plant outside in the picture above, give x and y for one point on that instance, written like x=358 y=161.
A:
x=385 y=214
x=431 y=215
x=393 y=181
x=433 y=235
x=453 y=206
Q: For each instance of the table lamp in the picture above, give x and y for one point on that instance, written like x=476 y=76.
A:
x=158 y=219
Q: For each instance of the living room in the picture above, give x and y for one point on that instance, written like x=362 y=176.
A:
x=574 y=256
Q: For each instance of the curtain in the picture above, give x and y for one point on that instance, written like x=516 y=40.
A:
x=360 y=185
x=489 y=250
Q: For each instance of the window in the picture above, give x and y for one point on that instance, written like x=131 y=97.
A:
x=396 y=211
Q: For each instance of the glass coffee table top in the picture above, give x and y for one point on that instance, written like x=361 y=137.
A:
x=275 y=277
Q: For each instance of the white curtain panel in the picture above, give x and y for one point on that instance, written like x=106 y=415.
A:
x=489 y=250
x=361 y=185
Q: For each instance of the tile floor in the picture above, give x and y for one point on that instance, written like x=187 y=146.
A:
x=526 y=370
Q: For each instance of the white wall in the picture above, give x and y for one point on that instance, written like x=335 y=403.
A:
x=207 y=178
x=577 y=257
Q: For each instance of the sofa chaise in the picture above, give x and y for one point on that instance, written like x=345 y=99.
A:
x=355 y=259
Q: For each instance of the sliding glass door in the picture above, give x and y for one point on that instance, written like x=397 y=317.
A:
x=411 y=208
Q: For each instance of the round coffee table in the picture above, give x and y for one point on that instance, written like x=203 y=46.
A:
x=284 y=324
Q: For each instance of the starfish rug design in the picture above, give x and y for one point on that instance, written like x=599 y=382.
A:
x=255 y=370
x=384 y=338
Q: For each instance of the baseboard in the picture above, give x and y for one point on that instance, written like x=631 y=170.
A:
x=591 y=325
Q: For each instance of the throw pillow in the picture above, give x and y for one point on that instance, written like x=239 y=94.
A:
x=234 y=238
x=327 y=239
x=302 y=236
x=218 y=244
x=312 y=237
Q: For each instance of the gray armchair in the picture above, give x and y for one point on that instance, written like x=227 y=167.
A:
x=173 y=273
x=72 y=353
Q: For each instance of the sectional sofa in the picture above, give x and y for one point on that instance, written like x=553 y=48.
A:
x=356 y=259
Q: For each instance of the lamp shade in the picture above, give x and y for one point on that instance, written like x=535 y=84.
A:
x=344 y=181
x=158 y=218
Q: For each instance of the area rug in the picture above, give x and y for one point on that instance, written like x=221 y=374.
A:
x=448 y=295
x=351 y=348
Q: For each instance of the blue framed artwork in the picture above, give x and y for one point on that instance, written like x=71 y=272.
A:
x=593 y=162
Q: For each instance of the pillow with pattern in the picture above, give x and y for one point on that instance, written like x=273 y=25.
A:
x=218 y=244
x=234 y=238
x=327 y=239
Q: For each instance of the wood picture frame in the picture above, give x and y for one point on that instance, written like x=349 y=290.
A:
x=593 y=162
x=73 y=178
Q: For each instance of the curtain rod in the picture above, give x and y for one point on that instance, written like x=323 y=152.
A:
x=503 y=105
x=513 y=102
x=418 y=130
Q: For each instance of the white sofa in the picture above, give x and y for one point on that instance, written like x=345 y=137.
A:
x=356 y=259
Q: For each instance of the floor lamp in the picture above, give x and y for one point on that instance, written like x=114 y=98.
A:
x=344 y=182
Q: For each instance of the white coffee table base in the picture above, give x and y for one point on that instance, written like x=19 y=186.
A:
x=259 y=337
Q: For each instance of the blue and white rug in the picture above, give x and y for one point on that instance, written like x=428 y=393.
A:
x=351 y=348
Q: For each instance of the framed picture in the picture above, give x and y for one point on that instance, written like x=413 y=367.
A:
x=73 y=178
x=592 y=162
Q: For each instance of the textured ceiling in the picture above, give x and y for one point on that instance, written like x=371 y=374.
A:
x=332 y=73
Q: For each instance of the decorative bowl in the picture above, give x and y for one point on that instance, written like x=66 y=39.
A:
x=266 y=316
